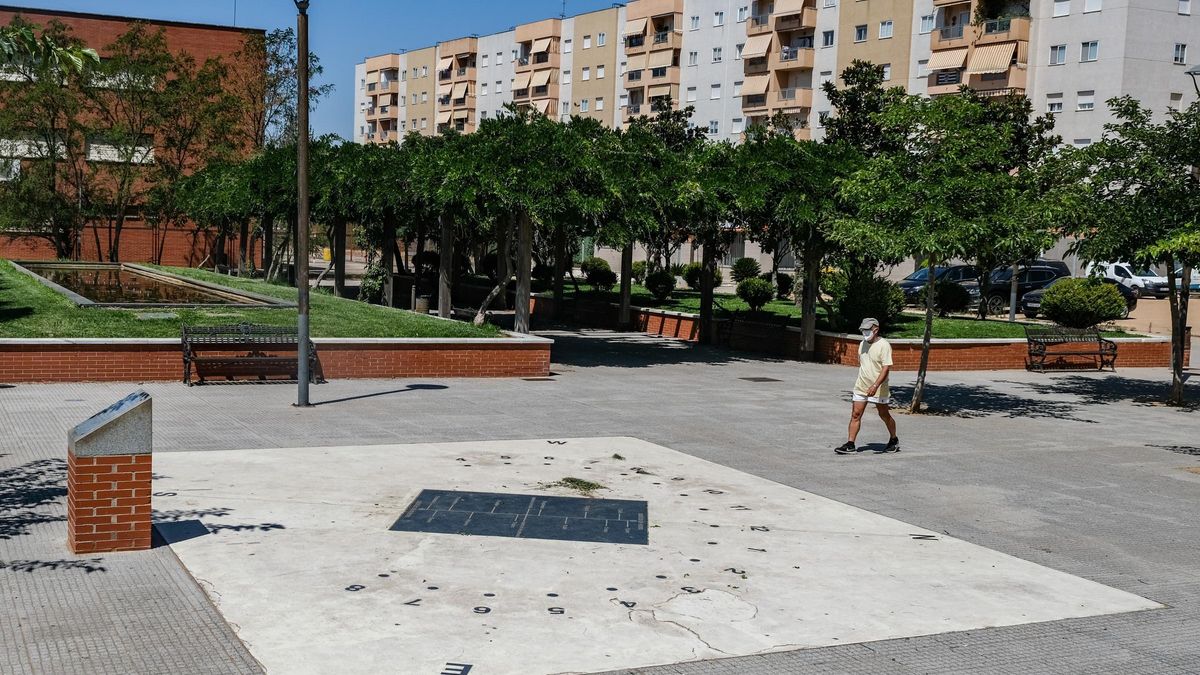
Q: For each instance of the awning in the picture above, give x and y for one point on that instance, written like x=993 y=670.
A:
x=541 y=45
x=521 y=82
x=756 y=85
x=636 y=26
x=445 y=63
x=543 y=106
x=991 y=58
x=951 y=59
x=663 y=59
x=444 y=117
x=636 y=62
x=461 y=115
x=445 y=89
x=659 y=90
x=460 y=90
x=788 y=7
x=541 y=78
x=757 y=46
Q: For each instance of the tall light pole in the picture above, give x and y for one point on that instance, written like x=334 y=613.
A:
x=302 y=369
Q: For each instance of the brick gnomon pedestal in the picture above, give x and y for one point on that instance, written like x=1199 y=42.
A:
x=108 y=479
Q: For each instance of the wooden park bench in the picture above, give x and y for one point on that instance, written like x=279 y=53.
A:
x=1056 y=342
x=244 y=350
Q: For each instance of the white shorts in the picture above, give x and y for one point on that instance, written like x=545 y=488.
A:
x=881 y=400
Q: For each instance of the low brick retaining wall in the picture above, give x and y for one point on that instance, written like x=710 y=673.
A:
x=784 y=341
x=148 y=360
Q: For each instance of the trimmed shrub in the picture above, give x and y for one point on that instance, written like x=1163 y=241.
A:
x=639 y=271
x=587 y=266
x=602 y=279
x=784 y=283
x=661 y=284
x=370 y=289
x=596 y=272
x=677 y=269
x=691 y=275
x=756 y=292
x=949 y=298
x=745 y=268
x=1083 y=303
x=874 y=297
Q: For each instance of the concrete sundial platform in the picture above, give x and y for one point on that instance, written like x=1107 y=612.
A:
x=349 y=560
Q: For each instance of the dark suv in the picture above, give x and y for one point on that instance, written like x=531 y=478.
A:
x=915 y=282
x=1029 y=278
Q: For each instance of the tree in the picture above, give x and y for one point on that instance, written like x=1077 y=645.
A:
x=947 y=179
x=1141 y=203
x=857 y=107
x=20 y=45
x=263 y=78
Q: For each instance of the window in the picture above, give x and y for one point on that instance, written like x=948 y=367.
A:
x=1180 y=53
x=695 y=23
x=826 y=76
x=717 y=54
x=601 y=40
x=500 y=57
x=926 y=24
x=691 y=94
x=1054 y=103
x=599 y=103
x=1058 y=55
x=885 y=30
x=738 y=126
x=743 y=14
x=424 y=71
x=499 y=86
x=923 y=68
x=600 y=72
x=514 y=58
x=1176 y=101
x=424 y=97
x=483 y=88
x=1088 y=51
x=568 y=46
x=623 y=68
x=1082 y=142
x=414 y=98
x=1185 y=6
x=587 y=73
x=887 y=72
x=822 y=118
x=693 y=58
x=737 y=88
x=424 y=122
x=623 y=101
x=827 y=38
x=830 y=3
x=587 y=41
x=484 y=61
x=566 y=76
x=714 y=127
x=715 y=92
x=1062 y=7
x=718 y=19
x=860 y=33
x=740 y=47
x=1091 y=6
x=483 y=114
x=585 y=105
x=1085 y=100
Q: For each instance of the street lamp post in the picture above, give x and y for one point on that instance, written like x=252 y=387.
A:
x=1194 y=72
x=302 y=370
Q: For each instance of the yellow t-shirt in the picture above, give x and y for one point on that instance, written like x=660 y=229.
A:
x=873 y=357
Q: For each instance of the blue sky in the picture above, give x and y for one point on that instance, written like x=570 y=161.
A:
x=343 y=32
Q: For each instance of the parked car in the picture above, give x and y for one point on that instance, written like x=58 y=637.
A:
x=1141 y=281
x=1029 y=278
x=1194 y=285
x=915 y=282
x=1060 y=266
x=1031 y=302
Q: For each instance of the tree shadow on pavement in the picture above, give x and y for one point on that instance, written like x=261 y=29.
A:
x=25 y=488
x=637 y=350
x=975 y=401
x=1112 y=389
x=178 y=525
x=88 y=565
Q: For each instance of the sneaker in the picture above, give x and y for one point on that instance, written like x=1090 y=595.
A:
x=893 y=445
x=845 y=448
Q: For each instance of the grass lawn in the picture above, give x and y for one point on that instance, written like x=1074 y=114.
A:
x=30 y=310
x=909 y=325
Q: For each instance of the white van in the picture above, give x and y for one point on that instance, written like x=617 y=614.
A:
x=1143 y=282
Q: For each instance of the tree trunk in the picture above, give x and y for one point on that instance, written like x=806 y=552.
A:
x=243 y=247
x=1178 y=302
x=985 y=288
x=503 y=259
x=625 y=318
x=808 y=306
x=501 y=288
x=339 y=257
x=387 y=262
x=524 y=271
x=560 y=268
x=114 y=245
x=708 y=262
x=445 y=266
x=930 y=299
x=268 y=242
x=1012 y=292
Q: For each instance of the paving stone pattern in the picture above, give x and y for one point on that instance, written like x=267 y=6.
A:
x=1078 y=472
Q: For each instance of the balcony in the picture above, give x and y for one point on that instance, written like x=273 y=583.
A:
x=371 y=86
x=944 y=82
x=758 y=24
x=666 y=40
x=756 y=102
x=1012 y=81
x=793 y=58
x=539 y=61
x=791 y=100
x=952 y=36
x=444 y=75
x=386 y=85
x=950 y=3
x=633 y=76
x=635 y=44
x=806 y=19
x=756 y=66
x=1004 y=30
x=468 y=74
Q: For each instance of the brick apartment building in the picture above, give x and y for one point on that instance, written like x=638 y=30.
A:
x=740 y=61
x=139 y=241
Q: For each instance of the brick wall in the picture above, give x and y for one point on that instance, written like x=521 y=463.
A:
x=181 y=247
x=108 y=503
x=161 y=360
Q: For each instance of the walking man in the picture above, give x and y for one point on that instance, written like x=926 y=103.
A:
x=874 y=366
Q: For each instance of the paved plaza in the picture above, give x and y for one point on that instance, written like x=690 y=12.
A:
x=1078 y=481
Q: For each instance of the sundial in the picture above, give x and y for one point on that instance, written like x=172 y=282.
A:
x=476 y=558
